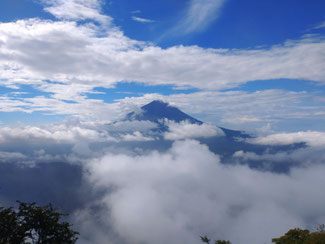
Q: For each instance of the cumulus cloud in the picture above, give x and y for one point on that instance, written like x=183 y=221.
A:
x=311 y=138
x=185 y=129
x=57 y=133
x=176 y=196
x=35 y=50
x=136 y=136
x=76 y=10
x=72 y=141
x=78 y=133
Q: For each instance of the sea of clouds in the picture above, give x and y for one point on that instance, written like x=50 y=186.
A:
x=118 y=189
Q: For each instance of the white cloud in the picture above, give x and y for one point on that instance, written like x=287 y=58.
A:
x=35 y=50
x=185 y=129
x=240 y=120
x=284 y=159
x=311 y=138
x=53 y=133
x=199 y=15
x=77 y=10
x=320 y=26
x=134 y=125
x=175 y=197
x=142 y=20
x=7 y=156
x=136 y=136
x=231 y=109
x=227 y=109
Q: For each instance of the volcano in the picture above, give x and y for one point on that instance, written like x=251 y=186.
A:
x=225 y=145
x=157 y=110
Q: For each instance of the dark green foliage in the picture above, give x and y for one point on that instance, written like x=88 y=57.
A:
x=316 y=238
x=298 y=236
x=205 y=239
x=294 y=236
x=34 y=225
x=222 y=242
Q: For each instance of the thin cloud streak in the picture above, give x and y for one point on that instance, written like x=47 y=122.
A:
x=142 y=20
x=199 y=15
x=320 y=26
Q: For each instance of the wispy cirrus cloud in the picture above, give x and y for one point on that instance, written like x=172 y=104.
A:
x=142 y=20
x=199 y=14
x=320 y=25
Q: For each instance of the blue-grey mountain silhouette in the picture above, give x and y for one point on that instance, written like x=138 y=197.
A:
x=232 y=141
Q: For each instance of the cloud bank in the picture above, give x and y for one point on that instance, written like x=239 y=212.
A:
x=33 y=51
x=179 y=195
x=185 y=129
x=312 y=138
x=128 y=190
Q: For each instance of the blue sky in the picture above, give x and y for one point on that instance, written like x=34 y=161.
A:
x=238 y=64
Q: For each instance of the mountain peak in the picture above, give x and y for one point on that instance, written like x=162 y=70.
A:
x=158 y=110
x=156 y=105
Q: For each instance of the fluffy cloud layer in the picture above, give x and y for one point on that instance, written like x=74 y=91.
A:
x=133 y=192
x=245 y=110
x=311 y=138
x=175 y=197
x=185 y=129
x=232 y=109
x=34 y=50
